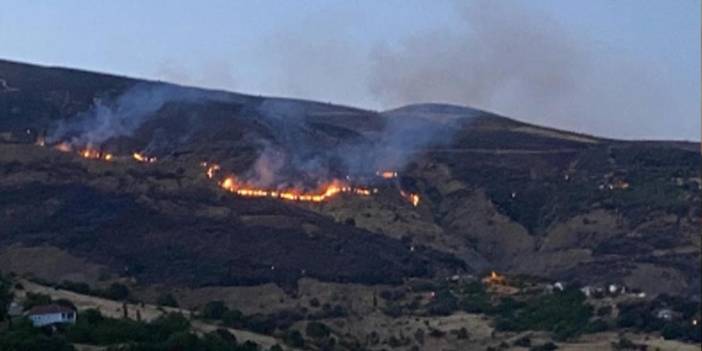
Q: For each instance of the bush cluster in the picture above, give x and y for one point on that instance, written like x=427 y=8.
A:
x=168 y=332
x=564 y=313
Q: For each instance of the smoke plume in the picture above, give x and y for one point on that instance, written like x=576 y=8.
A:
x=120 y=116
x=523 y=64
x=301 y=149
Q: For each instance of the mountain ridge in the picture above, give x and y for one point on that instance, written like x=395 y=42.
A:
x=496 y=193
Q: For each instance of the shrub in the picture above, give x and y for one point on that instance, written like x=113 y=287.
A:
x=182 y=341
x=260 y=324
x=5 y=297
x=248 y=345
x=462 y=333
x=549 y=346
x=23 y=336
x=317 y=330
x=524 y=341
x=604 y=311
x=444 y=303
x=672 y=331
x=436 y=333
x=93 y=328
x=638 y=316
x=232 y=318
x=392 y=310
x=293 y=338
x=116 y=291
x=596 y=326
x=35 y=299
x=624 y=344
x=214 y=310
x=167 y=300
x=564 y=313
x=392 y=295
x=81 y=288
x=168 y=324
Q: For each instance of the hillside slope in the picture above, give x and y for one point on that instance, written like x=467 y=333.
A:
x=495 y=193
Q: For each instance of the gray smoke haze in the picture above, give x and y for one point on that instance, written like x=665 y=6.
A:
x=120 y=116
x=522 y=64
x=215 y=73
x=294 y=157
x=301 y=155
x=500 y=52
x=500 y=57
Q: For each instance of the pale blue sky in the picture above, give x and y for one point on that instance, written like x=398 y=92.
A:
x=619 y=68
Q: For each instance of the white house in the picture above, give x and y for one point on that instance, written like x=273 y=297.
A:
x=51 y=314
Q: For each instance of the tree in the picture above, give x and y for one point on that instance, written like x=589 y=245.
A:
x=294 y=339
x=169 y=324
x=35 y=299
x=167 y=300
x=232 y=318
x=444 y=303
x=564 y=313
x=5 y=297
x=23 y=336
x=317 y=330
x=549 y=346
x=117 y=291
x=220 y=339
x=672 y=331
x=182 y=341
x=214 y=310
x=249 y=345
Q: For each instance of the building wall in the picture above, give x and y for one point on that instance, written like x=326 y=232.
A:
x=41 y=320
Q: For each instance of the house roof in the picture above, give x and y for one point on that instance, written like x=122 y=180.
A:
x=49 y=309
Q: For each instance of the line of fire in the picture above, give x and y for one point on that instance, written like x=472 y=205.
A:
x=320 y=194
x=245 y=189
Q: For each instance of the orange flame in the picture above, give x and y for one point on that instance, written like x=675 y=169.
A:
x=63 y=147
x=211 y=169
x=386 y=174
x=140 y=157
x=324 y=193
x=93 y=154
x=495 y=279
x=411 y=197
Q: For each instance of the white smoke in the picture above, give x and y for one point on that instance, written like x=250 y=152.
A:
x=121 y=116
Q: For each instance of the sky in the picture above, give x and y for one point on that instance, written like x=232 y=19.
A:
x=615 y=68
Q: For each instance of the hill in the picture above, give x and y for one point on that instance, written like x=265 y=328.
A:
x=495 y=193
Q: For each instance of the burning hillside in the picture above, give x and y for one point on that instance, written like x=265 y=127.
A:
x=92 y=153
x=96 y=155
x=143 y=158
x=465 y=169
x=291 y=164
x=323 y=192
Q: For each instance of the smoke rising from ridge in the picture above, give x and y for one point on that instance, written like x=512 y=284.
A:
x=521 y=64
x=120 y=116
x=498 y=56
x=305 y=148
